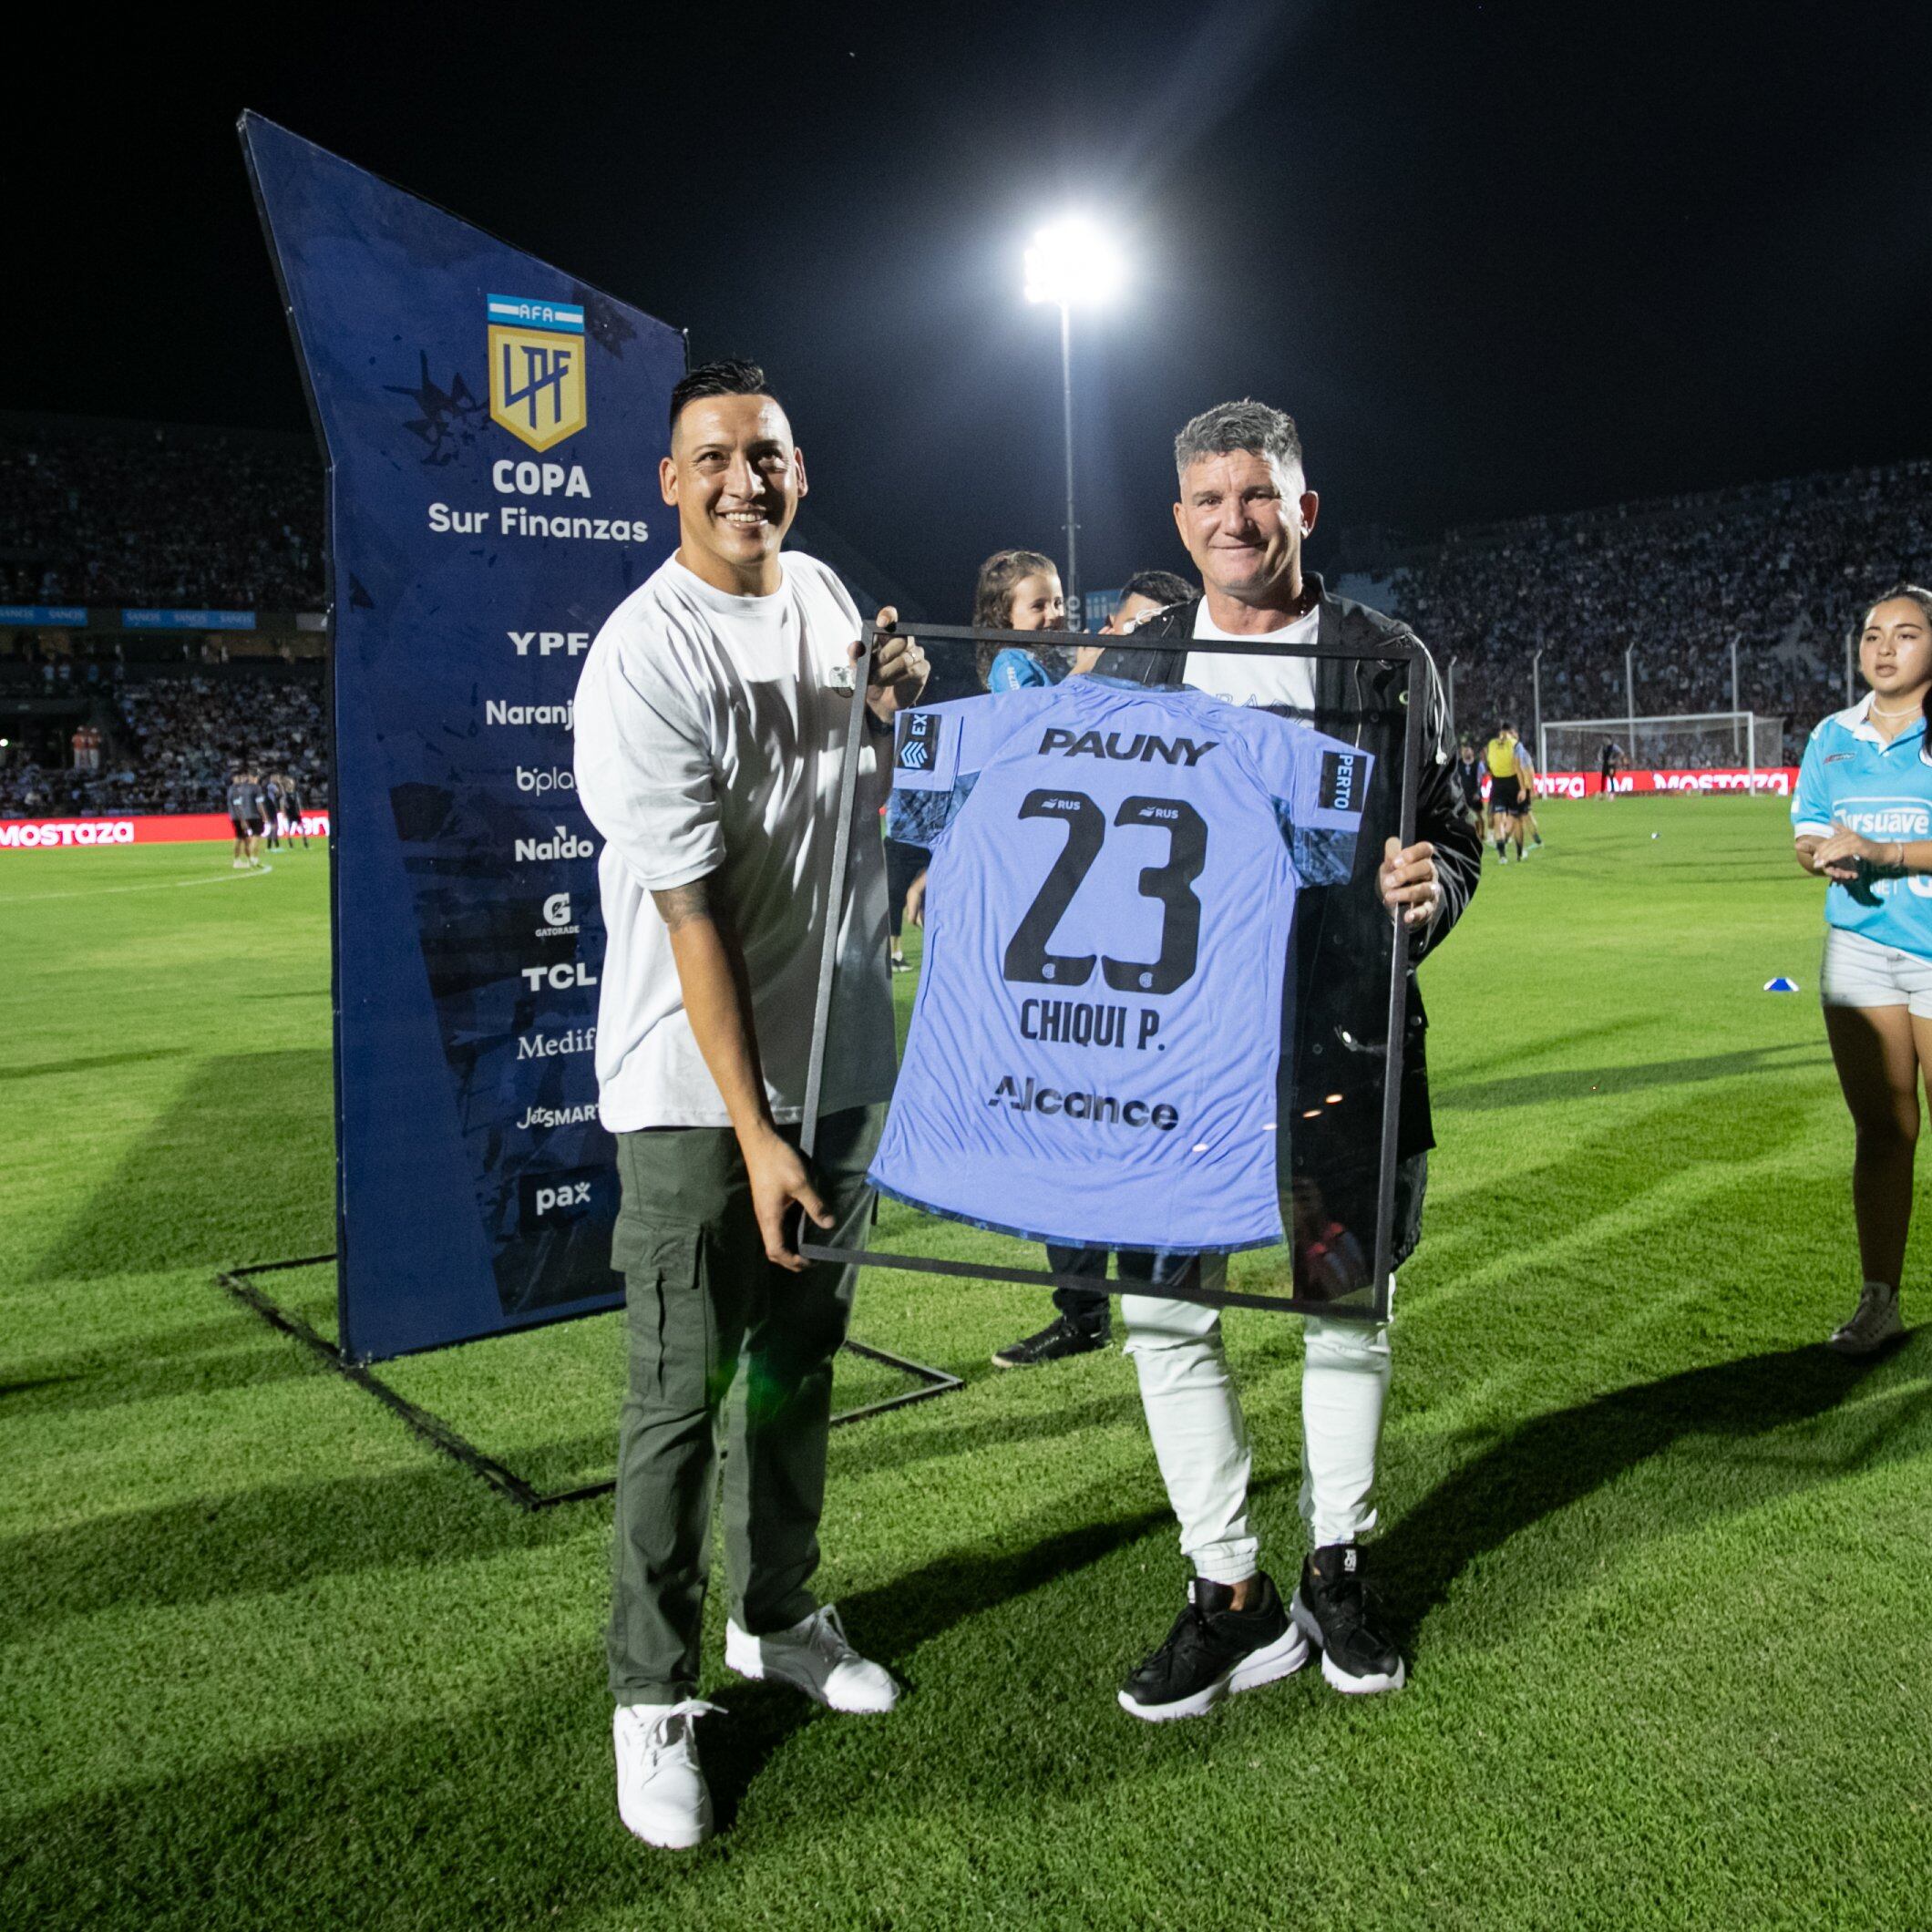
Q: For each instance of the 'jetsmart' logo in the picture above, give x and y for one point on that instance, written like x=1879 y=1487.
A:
x=1142 y=748
x=565 y=844
x=1100 y=1109
x=535 y=1117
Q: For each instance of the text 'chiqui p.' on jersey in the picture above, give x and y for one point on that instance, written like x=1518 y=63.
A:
x=1094 y=1046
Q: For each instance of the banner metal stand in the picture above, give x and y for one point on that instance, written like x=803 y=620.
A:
x=241 y=1283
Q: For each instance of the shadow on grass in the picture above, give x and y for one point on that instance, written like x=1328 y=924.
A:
x=1559 y=1459
x=244 y=1153
x=1603 y=1081
x=272 y=1538
x=200 y=1358
x=35 y=1069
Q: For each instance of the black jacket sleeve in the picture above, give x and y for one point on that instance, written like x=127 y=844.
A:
x=1440 y=821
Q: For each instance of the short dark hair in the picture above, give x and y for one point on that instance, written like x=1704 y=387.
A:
x=732 y=376
x=1162 y=586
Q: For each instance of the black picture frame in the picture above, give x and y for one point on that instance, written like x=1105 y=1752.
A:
x=1374 y=1308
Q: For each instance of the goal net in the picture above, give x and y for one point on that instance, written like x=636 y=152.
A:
x=1692 y=741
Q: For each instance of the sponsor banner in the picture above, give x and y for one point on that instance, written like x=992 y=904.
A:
x=494 y=428
x=31 y=834
x=52 y=617
x=188 y=619
x=1774 y=781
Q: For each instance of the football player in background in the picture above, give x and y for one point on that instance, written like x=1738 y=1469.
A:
x=245 y=809
x=1499 y=757
x=1525 y=802
x=1468 y=776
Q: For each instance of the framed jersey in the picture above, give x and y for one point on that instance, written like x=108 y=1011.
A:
x=1126 y=1034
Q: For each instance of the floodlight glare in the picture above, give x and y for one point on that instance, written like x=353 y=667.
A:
x=1074 y=265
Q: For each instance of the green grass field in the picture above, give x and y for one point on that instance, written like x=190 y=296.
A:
x=1663 y=1564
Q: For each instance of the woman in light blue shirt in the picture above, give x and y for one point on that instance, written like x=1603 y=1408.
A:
x=1862 y=819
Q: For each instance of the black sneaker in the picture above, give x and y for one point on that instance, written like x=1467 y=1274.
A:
x=1214 y=1651
x=1335 y=1612
x=1062 y=1337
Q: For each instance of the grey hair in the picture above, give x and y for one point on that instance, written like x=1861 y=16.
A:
x=1246 y=424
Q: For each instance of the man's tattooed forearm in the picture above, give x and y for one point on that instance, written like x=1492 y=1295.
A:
x=680 y=904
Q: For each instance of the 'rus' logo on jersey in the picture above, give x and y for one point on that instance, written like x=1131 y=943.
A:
x=536 y=369
x=919 y=740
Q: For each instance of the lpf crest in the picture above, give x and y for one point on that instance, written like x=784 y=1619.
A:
x=536 y=369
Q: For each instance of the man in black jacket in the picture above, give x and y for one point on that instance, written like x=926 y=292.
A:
x=1245 y=507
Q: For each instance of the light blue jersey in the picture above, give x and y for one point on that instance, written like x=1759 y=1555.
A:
x=1017 y=670
x=1094 y=1048
x=1851 y=776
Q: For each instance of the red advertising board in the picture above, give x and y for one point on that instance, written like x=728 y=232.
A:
x=1775 y=781
x=39 y=835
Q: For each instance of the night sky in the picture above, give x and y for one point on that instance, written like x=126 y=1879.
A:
x=1494 y=258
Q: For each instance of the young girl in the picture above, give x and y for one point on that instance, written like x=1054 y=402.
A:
x=1019 y=591
x=1862 y=819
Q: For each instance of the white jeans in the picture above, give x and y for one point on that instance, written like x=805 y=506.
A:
x=1200 y=1438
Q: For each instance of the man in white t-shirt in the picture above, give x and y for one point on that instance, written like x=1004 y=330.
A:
x=711 y=727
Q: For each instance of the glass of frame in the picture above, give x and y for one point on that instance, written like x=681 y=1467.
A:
x=1333 y=1049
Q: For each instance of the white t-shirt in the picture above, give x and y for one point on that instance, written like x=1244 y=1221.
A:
x=1285 y=680
x=708 y=740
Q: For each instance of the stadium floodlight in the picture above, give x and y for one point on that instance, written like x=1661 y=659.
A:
x=1073 y=264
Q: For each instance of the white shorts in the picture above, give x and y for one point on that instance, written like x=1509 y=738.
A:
x=1858 y=972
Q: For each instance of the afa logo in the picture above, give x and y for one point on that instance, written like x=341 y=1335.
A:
x=536 y=369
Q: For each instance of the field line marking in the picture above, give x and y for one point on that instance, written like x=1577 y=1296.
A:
x=153 y=884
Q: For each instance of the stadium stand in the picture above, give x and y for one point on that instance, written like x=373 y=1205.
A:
x=1783 y=567
x=169 y=740
x=106 y=514
x=145 y=514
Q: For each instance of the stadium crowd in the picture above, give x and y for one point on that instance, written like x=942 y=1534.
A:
x=1786 y=568
x=170 y=743
x=160 y=517
x=115 y=513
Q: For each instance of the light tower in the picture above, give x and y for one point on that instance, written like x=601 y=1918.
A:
x=1073 y=264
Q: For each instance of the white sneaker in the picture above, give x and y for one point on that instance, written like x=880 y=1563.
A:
x=1873 y=1323
x=662 y=1795
x=814 y=1656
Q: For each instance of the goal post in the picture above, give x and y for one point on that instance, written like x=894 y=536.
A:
x=1683 y=741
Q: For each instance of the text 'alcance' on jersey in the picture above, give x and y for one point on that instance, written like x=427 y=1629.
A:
x=1094 y=1048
